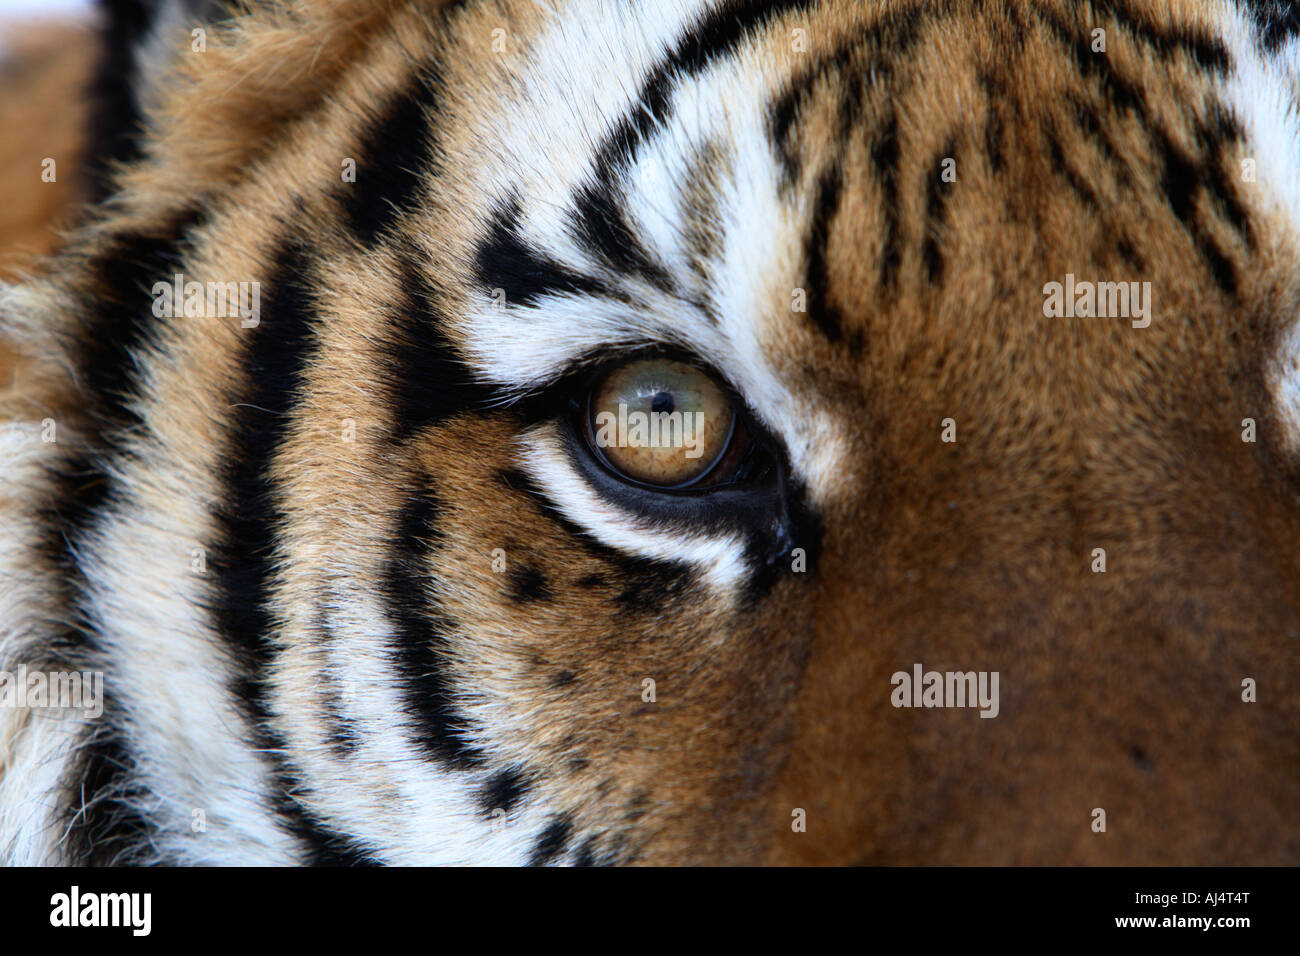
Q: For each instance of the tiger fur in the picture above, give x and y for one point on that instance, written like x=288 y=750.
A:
x=359 y=597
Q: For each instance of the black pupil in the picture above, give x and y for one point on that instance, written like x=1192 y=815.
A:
x=662 y=402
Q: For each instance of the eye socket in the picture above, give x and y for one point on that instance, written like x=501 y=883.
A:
x=665 y=424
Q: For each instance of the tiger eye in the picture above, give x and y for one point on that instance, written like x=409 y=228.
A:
x=660 y=422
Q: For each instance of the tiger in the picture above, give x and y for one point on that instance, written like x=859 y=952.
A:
x=580 y=432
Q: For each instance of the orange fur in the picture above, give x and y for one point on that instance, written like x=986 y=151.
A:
x=1121 y=690
x=42 y=111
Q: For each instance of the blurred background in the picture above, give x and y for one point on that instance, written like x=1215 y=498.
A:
x=42 y=7
x=46 y=59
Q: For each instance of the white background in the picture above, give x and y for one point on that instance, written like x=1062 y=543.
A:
x=40 y=8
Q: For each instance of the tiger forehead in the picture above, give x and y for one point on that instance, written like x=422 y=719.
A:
x=970 y=167
x=820 y=109
x=920 y=161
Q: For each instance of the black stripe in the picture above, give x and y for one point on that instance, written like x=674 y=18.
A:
x=105 y=823
x=698 y=203
x=528 y=585
x=891 y=37
x=585 y=855
x=1072 y=178
x=1092 y=125
x=249 y=521
x=780 y=121
x=504 y=261
x=1169 y=38
x=885 y=152
x=108 y=825
x=552 y=841
x=826 y=203
x=600 y=222
x=117 y=320
x=714 y=37
x=652 y=586
x=115 y=118
x=1118 y=89
x=994 y=132
x=117 y=324
x=936 y=207
x=441 y=729
x=250 y=518
x=1128 y=252
x=343 y=736
x=115 y=127
x=79 y=493
x=428 y=379
x=1214 y=137
x=1277 y=21
x=1182 y=176
x=503 y=791
x=396 y=153
x=341 y=730
x=1181 y=179
x=787 y=107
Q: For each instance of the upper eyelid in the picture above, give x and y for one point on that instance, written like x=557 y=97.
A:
x=584 y=370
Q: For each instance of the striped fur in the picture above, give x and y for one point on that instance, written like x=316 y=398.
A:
x=281 y=541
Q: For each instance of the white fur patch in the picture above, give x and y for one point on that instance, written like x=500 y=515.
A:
x=1263 y=93
x=1283 y=377
x=720 y=559
x=35 y=744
